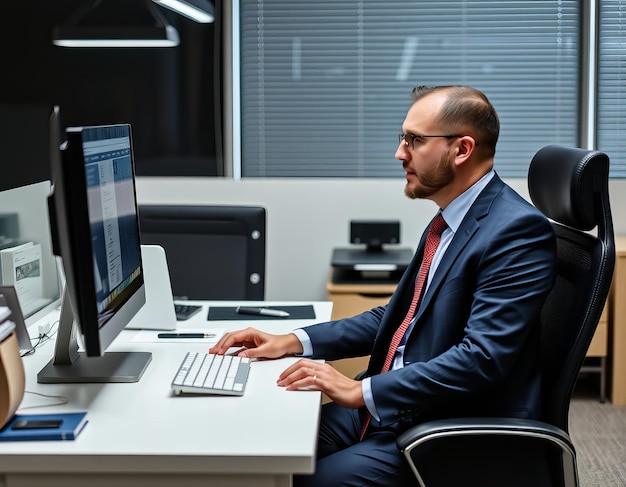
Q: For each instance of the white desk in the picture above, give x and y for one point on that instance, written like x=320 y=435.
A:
x=141 y=434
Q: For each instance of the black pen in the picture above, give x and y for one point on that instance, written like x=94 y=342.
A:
x=242 y=310
x=186 y=335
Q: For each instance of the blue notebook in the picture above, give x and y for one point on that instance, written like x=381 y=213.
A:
x=42 y=427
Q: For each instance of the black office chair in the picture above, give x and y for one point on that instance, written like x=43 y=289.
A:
x=213 y=251
x=570 y=186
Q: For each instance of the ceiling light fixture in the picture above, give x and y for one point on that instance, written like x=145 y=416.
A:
x=198 y=10
x=85 y=28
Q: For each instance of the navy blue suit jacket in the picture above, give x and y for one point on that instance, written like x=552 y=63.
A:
x=474 y=348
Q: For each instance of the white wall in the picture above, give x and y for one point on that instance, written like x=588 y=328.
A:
x=307 y=218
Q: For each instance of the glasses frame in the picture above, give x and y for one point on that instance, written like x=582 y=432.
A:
x=402 y=137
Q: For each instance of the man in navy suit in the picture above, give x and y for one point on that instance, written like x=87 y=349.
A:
x=471 y=348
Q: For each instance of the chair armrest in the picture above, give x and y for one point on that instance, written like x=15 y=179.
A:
x=482 y=426
x=488 y=451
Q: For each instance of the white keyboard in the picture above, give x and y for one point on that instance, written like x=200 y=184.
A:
x=205 y=373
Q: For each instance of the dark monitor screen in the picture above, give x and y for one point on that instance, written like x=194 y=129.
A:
x=93 y=216
x=24 y=142
x=213 y=252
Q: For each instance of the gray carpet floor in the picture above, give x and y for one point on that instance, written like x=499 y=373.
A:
x=598 y=431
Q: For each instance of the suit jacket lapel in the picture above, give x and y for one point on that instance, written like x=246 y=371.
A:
x=469 y=226
x=401 y=299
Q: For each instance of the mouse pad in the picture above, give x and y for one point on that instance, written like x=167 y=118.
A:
x=305 y=312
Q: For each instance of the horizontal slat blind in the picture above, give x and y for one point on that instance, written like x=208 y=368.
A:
x=611 y=135
x=325 y=85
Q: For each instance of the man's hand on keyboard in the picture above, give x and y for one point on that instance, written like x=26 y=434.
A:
x=258 y=344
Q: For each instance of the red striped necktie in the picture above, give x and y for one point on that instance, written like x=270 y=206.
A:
x=437 y=227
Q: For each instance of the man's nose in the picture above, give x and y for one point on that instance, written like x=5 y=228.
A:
x=402 y=153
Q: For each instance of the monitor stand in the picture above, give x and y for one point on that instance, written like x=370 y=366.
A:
x=71 y=366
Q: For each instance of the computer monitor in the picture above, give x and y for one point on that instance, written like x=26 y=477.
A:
x=213 y=252
x=93 y=220
x=24 y=186
x=23 y=219
x=28 y=161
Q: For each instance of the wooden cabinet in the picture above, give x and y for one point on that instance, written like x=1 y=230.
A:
x=599 y=345
x=617 y=326
x=351 y=299
x=599 y=349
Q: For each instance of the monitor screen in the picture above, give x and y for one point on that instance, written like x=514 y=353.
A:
x=93 y=216
x=24 y=142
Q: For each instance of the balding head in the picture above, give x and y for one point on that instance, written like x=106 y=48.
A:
x=466 y=110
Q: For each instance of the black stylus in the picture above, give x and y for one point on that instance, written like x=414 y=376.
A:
x=186 y=335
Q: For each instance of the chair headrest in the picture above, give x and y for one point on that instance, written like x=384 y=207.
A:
x=562 y=182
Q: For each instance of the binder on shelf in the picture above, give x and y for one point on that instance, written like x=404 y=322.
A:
x=8 y=243
x=44 y=427
x=7 y=266
x=22 y=268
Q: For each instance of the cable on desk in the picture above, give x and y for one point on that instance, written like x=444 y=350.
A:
x=42 y=338
x=61 y=400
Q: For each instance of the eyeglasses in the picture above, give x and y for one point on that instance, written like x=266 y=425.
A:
x=405 y=138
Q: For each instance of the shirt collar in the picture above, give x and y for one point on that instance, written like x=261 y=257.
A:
x=455 y=212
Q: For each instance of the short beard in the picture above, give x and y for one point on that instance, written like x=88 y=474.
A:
x=431 y=181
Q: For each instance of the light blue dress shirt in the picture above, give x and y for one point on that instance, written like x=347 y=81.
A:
x=453 y=215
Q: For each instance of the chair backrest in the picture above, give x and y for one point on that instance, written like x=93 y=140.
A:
x=213 y=252
x=570 y=186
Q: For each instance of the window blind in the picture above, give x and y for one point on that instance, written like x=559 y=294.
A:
x=611 y=135
x=325 y=85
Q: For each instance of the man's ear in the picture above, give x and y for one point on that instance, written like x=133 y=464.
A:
x=464 y=148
